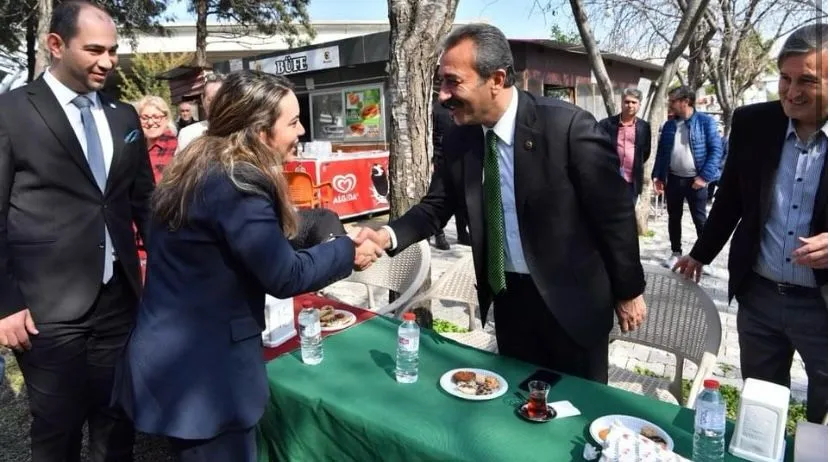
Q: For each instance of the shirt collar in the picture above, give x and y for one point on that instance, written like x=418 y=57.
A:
x=791 y=130
x=64 y=94
x=506 y=125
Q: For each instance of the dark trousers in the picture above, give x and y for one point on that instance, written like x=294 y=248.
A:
x=527 y=330
x=460 y=230
x=772 y=326
x=239 y=446
x=679 y=189
x=69 y=377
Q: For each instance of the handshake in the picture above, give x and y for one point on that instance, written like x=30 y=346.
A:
x=368 y=246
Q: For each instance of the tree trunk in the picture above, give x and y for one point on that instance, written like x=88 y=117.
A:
x=657 y=109
x=31 y=46
x=594 y=57
x=201 y=8
x=417 y=27
x=44 y=16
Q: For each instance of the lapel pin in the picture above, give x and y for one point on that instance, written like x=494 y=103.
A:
x=528 y=145
x=112 y=105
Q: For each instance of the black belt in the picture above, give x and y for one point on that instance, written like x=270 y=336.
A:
x=517 y=276
x=788 y=289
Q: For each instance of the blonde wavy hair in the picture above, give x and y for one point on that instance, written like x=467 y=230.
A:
x=246 y=106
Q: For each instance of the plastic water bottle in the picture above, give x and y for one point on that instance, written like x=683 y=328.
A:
x=710 y=424
x=409 y=336
x=311 y=335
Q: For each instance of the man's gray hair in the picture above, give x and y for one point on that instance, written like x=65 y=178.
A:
x=492 y=50
x=683 y=92
x=805 y=39
x=214 y=77
x=634 y=93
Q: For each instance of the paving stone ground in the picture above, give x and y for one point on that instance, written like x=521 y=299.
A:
x=653 y=250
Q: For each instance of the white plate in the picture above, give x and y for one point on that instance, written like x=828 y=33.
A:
x=350 y=319
x=448 y=386
x=633 y=423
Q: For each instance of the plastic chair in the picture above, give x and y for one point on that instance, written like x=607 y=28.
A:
x=304 y=193
x=457 y=284
x=682 y=320
x=404 y=273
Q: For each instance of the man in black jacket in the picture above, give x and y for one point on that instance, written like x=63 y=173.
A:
x=632 y=137
x=773 y=195
x=74 y=178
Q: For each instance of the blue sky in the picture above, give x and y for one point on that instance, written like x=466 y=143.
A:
x=516 y=18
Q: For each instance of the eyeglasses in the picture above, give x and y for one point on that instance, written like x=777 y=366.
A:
x=153 y=118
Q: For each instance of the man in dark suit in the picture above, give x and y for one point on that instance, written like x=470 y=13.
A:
x=441 y=123
x=632 y=137
x=773 y=195
x=74 y=177
x=552 y=227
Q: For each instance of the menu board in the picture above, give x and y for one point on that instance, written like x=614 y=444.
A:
x=363 y=114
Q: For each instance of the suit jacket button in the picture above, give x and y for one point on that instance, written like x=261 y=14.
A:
x=101 y=245
x=528 y=145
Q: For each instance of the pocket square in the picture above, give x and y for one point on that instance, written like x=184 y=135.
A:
x=132 y=136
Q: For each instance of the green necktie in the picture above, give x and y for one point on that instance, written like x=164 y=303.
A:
x=494 y=216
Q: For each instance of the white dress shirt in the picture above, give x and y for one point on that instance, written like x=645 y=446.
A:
x=65 y=95
x=504 y=129
x=190 y=133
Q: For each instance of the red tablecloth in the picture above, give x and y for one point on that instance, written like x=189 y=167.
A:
x=294 y=342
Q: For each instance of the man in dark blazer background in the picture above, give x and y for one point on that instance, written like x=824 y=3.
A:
x=773 y=195
x=552 y=226
x=74 y=177
x=632 y=137
x=441 y=124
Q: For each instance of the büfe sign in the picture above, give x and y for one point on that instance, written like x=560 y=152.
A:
x=360 y=183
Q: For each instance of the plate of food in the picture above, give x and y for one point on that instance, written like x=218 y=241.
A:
x=601 y=426
x=333 y=319
x=473 y=384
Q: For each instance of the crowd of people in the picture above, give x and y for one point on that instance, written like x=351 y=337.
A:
x=544 y=192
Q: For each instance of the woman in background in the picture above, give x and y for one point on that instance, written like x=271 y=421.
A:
x=193 y=368
x=159 y=132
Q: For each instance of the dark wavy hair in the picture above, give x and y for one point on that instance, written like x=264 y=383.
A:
x=246 y=106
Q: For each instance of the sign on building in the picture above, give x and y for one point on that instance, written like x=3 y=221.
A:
x=301 y=61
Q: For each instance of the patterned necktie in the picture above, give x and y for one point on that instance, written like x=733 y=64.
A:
x=95 y=157
x=494 y=216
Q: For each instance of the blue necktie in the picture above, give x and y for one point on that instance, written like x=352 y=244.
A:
x=95 y=157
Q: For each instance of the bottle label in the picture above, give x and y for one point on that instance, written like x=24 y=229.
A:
x=710 y=419
x=408 y=344
x=311 y=330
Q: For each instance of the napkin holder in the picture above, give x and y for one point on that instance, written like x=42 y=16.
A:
x=761 y=422
x=279 y=321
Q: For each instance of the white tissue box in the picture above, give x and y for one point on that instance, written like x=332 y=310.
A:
x=279 y=321
x=761 y=422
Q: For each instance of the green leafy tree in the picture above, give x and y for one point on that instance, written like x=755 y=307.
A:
x=287 y=18
x=142 y=80
x=559 y=35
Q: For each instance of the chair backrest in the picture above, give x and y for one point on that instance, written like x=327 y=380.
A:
x=682 y=319
x=300 y=188
x=404 y=273
x=457 y=284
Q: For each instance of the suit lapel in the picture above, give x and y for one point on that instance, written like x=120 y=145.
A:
x=820 y=207
x=769 y=167
x=473 y=171
x=527 y=142
x=117 y=130
x=46 y=104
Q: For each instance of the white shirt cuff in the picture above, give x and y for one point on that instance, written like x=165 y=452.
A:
x=392 y=236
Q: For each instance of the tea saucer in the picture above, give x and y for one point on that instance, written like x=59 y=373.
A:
x=522 y=411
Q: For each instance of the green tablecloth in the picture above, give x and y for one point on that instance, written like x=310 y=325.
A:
x=351 y=408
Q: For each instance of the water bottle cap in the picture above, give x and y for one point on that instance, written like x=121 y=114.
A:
x=409 y=316
x=711 y=384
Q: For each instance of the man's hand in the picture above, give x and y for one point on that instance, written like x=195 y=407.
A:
x=631 y=313
x=380 y=237
x=659 y=186
x=699 y=183
x=813 y=253
x=689 y=267
x=15 y=329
